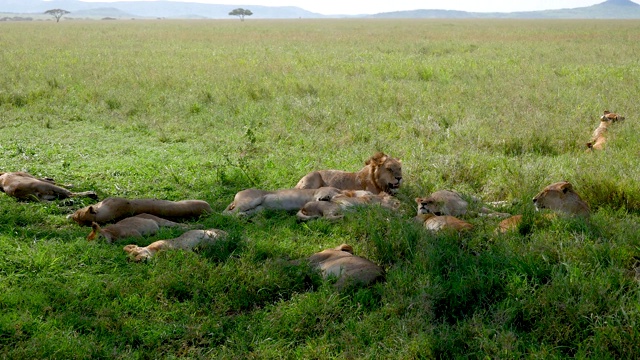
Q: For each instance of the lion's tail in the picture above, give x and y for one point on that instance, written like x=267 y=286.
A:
x=95 y=230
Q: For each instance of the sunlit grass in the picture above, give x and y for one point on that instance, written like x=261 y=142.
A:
x=203 y=109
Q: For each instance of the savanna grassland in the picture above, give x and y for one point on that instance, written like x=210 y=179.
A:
x=202 y=109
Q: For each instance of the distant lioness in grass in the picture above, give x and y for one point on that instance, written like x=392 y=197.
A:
x=446 y=202
x=115 y=208
x=24 y=186
x=381 y=173
x=340 y=263
x=135 y=226
x=333 y=209
x=600 y=134
x=250 y=201
x=186 y=241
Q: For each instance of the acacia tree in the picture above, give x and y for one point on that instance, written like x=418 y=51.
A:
x=57 y=13
x=241 y=13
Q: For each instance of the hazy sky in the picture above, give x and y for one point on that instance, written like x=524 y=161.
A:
x=349 y=7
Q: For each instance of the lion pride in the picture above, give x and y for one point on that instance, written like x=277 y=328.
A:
x=381 y=173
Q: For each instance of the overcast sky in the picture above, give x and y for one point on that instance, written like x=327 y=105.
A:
x=352 y=7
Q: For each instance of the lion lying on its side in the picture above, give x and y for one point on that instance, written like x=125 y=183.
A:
x=23 y=186
x=115 y=208
x=135 y=226
x=349 y=269
x=442 y=222
x=186 y=241
x=381 y=173
x=250 y=201
x=333 y=209
x=446 y=202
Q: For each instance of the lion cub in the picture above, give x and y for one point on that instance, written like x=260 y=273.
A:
x=250 y=201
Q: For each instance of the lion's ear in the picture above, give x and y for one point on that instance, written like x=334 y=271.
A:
x=418 y=200
x=566 y=187
x=345 y=248
x=92 y=210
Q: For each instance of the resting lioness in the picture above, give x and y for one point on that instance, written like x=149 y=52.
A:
x=250 y=201
x=24 y=186
x=332 y=210
x=115 y=208
x=599 y=137
x=446 y=202
x=349 y=269
x=135 y=226
x=442 y=222
x=381 y=173
x=561 y=197
x=186 y=241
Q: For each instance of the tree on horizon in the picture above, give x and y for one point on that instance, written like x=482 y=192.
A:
x=241 y=13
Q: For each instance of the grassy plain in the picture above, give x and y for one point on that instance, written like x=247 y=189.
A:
x=203 y=109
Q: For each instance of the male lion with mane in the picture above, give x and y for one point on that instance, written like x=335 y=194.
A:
x=381 y=173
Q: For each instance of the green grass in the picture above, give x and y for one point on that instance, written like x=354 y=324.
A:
x=203 y=109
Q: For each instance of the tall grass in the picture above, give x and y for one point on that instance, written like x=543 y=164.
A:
x=203 y=109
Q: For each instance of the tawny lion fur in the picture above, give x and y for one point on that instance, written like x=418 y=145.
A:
x=446 y=202
x=250 y=201
x=135 y=226
x=600 y=134
x=381 y=173
x=348 y=269
x=438 y=223
x=114 y=208
x=186 y=241
x=333 y=209
x=24 y=186
x=561 y=197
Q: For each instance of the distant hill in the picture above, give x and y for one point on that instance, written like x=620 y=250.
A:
x=610 y=9
x=145 y=9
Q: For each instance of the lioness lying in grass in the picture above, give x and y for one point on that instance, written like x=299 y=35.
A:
x=559 y=197
x=381 y=173
x=333 y=209
x=346 y=268
x=250 y=201
x=135 y=226
x=186 y=241
x=23 y=186
x=115 y=208
x=446 y=202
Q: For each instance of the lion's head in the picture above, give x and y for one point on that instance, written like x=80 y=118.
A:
x=429 y=205
x=561 y=197
x=611 y=117
x=85 y=216
x=386 y=172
